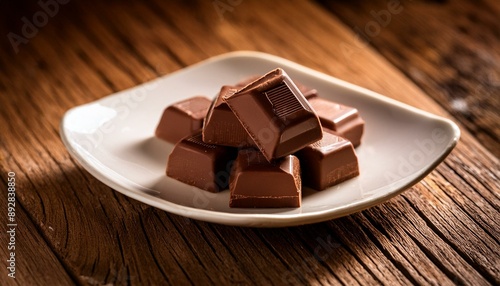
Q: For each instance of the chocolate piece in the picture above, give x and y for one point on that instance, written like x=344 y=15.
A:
x=256 y=183
x=328 y=162
x=182 y=118
x=275 y=114
x=309 y=93
x=343 y=120
x=221 y=125
x=199 y=164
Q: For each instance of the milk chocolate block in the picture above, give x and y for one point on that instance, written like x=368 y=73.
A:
x=343 y=120
x=256 y=183
x=182 y=118
x=328 y=162
x=221 y=126
x=202 y=165
x=309 y=93
x=275 y=114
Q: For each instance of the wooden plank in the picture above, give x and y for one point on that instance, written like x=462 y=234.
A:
x=420 y=237
x=26 y=257
x=448 y=48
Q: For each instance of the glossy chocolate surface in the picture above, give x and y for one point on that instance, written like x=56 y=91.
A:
x=202 y=165
x=345 y=121
x=328 y=162
x=256 y=183
x=275 y=114
x=221 y=126
x=182 y=118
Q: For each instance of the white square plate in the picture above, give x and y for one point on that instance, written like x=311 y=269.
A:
x=113 y=139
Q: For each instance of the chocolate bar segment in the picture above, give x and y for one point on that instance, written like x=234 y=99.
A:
x=345 y=121
x=256 y=183
x=309 y=92
x=221 y=126
x=328 y=162
x=202 y=165
x=275 y=114
x=182 y=118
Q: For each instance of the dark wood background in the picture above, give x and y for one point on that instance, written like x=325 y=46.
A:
x=440 y=56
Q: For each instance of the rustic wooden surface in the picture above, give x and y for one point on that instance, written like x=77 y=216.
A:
x=450 y=49
x=438 y=56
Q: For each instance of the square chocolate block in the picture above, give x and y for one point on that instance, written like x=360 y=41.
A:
x=202 y=165
x=221 y=126
x=256 y=183
x=328 y=162
x=182 y=118
x=275 y=114
x=343 y=120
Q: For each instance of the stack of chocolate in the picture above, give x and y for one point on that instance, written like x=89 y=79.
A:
x=264 y=139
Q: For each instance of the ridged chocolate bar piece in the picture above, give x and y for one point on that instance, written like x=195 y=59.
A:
x=221 y=126
x=202 y=165
x=256 y=183
x=275 y=114
x=345 y=121
x=182 y=118
x=328 y=162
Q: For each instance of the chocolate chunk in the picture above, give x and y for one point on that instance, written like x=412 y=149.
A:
x=309 y=93
x=328 y=162
x=202 y=165
x=182 y=118
x=221 y=125
x=275 y=114
x=343 y=120
x=256 y=183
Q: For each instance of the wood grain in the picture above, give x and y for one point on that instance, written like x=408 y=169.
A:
x=448 y=48
x=34 y=261
x=441 y=231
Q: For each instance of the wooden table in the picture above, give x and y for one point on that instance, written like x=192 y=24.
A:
x=439 y=56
